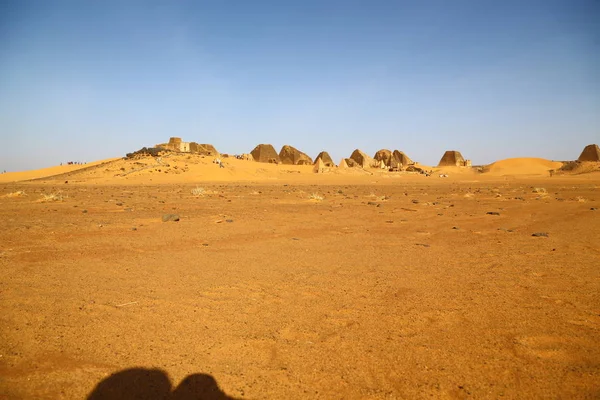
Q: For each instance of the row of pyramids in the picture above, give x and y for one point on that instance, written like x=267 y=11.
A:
x=384 y=158
x=292 y=156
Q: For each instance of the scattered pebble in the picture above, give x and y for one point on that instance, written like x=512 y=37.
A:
x=540 y=234
x=593 y=209
x=229 y=220
x=455 y=227
x=422 y=244
x=492 y=213
x=170 y=217
x=119 y=204
x=134 y=229
x=84 y=211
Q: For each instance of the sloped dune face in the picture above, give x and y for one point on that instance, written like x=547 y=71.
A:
x=50 y=171
x=522 y=166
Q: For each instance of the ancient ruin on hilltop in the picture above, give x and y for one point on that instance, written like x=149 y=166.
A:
x=176 y=144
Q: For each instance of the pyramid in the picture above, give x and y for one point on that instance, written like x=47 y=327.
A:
x=343 y=164
x=590 y=153
x=402 y=158
x=265 y=153
x=384 y=155
x=394 y=164
x=361 y=158
x=204 y=149
x=326 y=158
x=452 y=158
x=292 y=156
x=351 y=163
x=319 y=167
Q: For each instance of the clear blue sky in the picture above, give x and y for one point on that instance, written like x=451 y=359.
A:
x=85 y=80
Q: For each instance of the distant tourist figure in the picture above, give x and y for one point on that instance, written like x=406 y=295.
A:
x=221 y=165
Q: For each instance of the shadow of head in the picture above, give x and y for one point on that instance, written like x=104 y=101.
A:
x=154 y=384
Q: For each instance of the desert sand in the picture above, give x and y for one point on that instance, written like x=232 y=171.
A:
x=279 y=283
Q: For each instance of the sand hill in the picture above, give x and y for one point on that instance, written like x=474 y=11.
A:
x=51 y=171
x=522 y=166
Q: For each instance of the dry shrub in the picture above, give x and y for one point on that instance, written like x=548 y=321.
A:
x=316 y=196
x=57 y=196
x=18 y=193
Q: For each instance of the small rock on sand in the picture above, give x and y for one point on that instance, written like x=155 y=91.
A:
x=539 y=234
x=170 y=217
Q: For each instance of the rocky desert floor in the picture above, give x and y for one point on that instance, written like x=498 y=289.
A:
x=363 y=289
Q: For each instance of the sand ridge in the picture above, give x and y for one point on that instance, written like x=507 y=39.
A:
x=522 y=166
x=49 y=171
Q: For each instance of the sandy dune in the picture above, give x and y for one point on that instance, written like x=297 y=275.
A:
x=522 y=166
x=48 y=172
x=280 y=283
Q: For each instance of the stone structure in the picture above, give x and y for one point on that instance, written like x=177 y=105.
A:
x=292 y=156
x=452 y=158
x=402 y=159
x=361 y=159
x=326 y=159
x=265 y=153
x=591 y=152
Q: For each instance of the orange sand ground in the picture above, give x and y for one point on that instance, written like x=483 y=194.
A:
x=394 y=285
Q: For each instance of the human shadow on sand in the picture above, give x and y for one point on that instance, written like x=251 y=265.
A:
x=154 y=384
